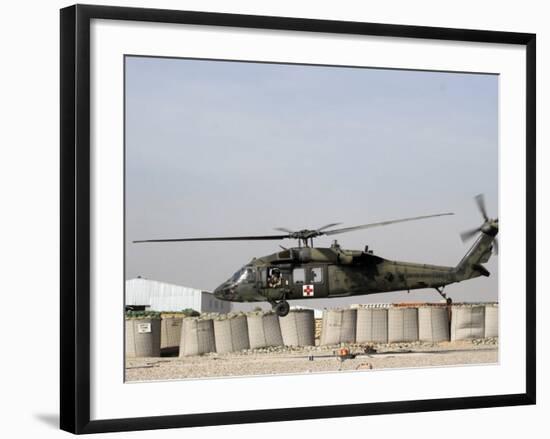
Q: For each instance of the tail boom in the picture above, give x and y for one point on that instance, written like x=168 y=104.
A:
x=471 y=264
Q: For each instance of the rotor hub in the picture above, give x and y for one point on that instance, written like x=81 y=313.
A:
x=305 y=234
x=490 y=227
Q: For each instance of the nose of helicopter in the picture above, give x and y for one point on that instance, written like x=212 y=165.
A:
x=225 y=291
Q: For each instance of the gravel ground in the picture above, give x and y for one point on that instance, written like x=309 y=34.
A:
x=290 y=360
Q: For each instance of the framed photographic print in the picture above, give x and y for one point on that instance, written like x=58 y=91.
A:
x=285 y=208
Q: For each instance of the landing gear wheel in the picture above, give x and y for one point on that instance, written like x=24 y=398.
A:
x=449 y=301
x=282 y=308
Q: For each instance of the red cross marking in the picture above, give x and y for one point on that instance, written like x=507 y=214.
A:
x=307 y=290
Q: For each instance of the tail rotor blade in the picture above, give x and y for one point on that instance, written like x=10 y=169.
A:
x=480 y=200
x=469 y=234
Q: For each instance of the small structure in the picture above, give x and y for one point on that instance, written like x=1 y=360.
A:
x=153 y=295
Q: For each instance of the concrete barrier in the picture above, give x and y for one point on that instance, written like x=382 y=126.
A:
x=339 y=326
x=142 y=338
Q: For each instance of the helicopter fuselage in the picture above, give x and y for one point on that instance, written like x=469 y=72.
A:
x=316 y=273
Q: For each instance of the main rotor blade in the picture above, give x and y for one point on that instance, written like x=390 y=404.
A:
x=218 y=238
x=327 y=226
x=469 y=234
x=382 y=223
x=480 y=200
x=283 y=229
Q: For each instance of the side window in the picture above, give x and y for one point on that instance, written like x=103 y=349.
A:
x=275 y=278
x=317 y=275
x=299 y=275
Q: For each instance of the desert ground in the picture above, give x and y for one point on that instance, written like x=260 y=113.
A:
x=312 y=359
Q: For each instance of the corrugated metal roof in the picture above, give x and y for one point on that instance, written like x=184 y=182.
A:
x=161 y=296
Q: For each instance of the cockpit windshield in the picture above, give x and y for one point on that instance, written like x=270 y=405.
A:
x=245 y=274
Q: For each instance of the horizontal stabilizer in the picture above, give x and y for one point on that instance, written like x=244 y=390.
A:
x=481 y=269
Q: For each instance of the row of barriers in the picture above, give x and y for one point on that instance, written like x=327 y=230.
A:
x=148 y=337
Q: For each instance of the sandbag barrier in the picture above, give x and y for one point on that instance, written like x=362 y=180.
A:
x=433 y=323
x=298 y=328
x=428 y=323
x=338 y=326
x=231 y=334
x=264 y=330
x=170 y=333
x=467 y=322
x=369 y=324
x=372 y=325
x=142 y=337
x=197 y=337
x=402 y=325
x=491 y=321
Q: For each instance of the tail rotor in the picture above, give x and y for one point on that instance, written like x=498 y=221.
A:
x=489 y=226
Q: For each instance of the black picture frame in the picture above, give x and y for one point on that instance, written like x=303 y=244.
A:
x=75 y=217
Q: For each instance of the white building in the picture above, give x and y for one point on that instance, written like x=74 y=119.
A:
x=161 y=296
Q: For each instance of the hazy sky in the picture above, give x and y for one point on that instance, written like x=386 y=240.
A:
x=231 y=148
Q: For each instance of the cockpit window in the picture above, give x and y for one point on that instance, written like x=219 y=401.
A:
x=246 y=274
x=236 y=276
x=249 y=275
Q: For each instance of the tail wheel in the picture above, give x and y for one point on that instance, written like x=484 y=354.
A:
x=282 y=308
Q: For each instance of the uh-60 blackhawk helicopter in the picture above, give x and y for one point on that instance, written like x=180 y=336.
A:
x=308 y=272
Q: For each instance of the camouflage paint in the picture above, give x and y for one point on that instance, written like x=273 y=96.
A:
x=350 y=272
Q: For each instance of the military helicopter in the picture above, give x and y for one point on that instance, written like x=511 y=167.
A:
x=308 y=272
